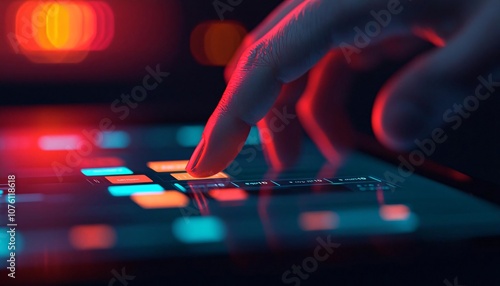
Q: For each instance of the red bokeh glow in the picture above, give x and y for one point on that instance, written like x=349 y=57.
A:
x=62 y=31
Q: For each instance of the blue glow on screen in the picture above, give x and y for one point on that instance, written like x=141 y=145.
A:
x=199 y=229
x=115 y=140
x=190 y=136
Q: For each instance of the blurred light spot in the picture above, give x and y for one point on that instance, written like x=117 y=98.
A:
x=363 y=221
x=321 y=220
x=62 y=32
x=27 y=198
x=4 y=242
x=96 y=236
x=115 y=140
x=394 y=212
x=102 y=162
x=253 y=137
x=227 y=195
x=180 y=187
x=168 y=166
x=189 y=136
x=214 y=43
x=168 y=199
x=59 y=142
x=9 y=142
x=123 y=191
x=160 y=137
x=199 y=229
x=106 y=171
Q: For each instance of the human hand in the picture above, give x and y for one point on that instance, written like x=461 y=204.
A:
x=268 y=82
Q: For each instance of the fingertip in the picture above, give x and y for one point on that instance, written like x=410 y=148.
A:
x=221 y=142
x=398 y=128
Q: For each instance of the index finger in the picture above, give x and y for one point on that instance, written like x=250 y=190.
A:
x=284 y=54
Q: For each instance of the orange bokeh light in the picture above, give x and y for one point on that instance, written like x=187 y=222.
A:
x=394 y=212
x=92 y=236
x=62 y=31
x=165 y=200
x=214 y=43
x=319 y=220
x=228 y=195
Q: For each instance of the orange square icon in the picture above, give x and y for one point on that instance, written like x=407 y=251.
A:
x=133 y=179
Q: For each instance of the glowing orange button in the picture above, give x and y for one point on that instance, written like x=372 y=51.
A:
x=168 y=166
x=228 y=195
x=187 y=177
x=168 y=199
x=133 y=179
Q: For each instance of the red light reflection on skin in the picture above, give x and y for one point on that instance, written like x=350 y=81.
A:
x=431 y=36
x=378 y=114
x=394 y=212
x=94 y=236
x=322 y=107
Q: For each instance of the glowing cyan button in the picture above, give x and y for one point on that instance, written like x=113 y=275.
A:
x=207 y=229
x=124 y=191
x=92 y=172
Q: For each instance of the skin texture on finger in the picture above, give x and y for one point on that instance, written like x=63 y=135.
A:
x=322 y=107
x=414 y=102
x=280 y=130
x=272 y=20
x=211 y=148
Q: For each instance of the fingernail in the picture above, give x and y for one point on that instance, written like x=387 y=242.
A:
x=195 y=158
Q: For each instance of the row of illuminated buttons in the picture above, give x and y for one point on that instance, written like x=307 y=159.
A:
x=153 y=195
x=115 y=171
x=221 y=180
x=335 y=183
